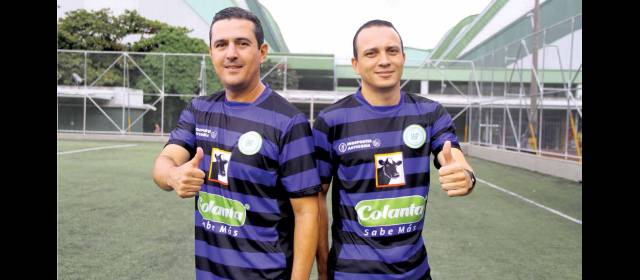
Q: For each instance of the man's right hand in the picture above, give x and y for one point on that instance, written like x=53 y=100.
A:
x=187 y=179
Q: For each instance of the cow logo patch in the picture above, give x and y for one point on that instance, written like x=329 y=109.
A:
x=389 y=170
x=414 y=136
x=250 y=143
x=219 y=166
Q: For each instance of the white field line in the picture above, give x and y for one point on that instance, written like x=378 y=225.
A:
x=532 y=202
x=98 y=148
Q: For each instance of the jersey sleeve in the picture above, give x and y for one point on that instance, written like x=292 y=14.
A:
x=297 y=167
x=322 y=149
x=184 y=132
x=441 y=130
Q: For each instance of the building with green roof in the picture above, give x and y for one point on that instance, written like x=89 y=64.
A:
x=481 y=69
x=193 y=14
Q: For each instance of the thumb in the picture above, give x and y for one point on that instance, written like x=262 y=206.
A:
x=446 y=152
x=195 y=161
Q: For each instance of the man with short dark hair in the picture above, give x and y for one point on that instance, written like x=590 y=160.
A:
x=375 y=145
x=245 y=154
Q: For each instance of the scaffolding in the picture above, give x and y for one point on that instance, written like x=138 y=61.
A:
x=102 y=92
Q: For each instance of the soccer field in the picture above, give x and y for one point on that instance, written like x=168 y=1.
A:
x=115 y=223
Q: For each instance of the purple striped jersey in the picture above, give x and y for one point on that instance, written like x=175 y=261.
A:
x=256 y=157
x=377 y=158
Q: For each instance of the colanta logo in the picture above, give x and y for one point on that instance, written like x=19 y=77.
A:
x=390 y=211
x=220 y=209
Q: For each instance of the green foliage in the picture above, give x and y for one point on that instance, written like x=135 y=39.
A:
x=81 y=29
x=99 y=30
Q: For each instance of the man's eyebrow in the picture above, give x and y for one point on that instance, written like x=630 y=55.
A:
x=370 y=49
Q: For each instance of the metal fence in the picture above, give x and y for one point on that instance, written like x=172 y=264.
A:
x=144 y=93
x=507 y=76
x=489 y=97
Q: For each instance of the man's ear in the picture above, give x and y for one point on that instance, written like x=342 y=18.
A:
x=264 y=49
x=354 y=65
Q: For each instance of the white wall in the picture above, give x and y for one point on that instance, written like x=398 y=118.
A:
x=566 y=169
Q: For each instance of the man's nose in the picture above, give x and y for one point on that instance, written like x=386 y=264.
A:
x=384 y=60
x=232 y=52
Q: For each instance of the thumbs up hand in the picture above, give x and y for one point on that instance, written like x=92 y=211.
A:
x=446 y=152
x=195 y=161
x=453 y=178
x=187 y=179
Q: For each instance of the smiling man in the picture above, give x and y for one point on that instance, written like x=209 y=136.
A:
x=375 y=146
x=245 y=154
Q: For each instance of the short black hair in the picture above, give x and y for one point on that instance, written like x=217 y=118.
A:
x=375 y=22
x=239 y=13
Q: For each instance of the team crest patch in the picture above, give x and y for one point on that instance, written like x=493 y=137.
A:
x=219 y=166
x=250 y=143
x=389 y=170
x=414 y=136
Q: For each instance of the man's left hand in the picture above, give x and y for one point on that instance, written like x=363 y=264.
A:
x=453 y=177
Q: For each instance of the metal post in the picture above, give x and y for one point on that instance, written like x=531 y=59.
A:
x=544 y=52
x=491 y=118
x=469 y=121
x=573 y=26
x=428 y=77
x=566 y=129
x=504 y=109
x=284 y=87
x=569 y=91
x=335 y=75
x=84 y=112
x=469 y=117
x=504 y=92
x=311 y=118
x=128 y=100
x=204 y=75
x=520 y=124
x=481 y=88
x=541 y=90
x=57 y=84
x=124 y=79
x=521 y=92
x=479 y=122
x=533 y=81
x=164 y=55
x=540 y=124
x=520 y=117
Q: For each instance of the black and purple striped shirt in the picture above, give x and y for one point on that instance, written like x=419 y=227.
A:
x=257 y=156
x=378 y=158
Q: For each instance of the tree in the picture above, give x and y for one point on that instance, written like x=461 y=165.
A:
x=99 y=30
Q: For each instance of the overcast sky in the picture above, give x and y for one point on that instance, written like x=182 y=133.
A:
x=328 y=26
